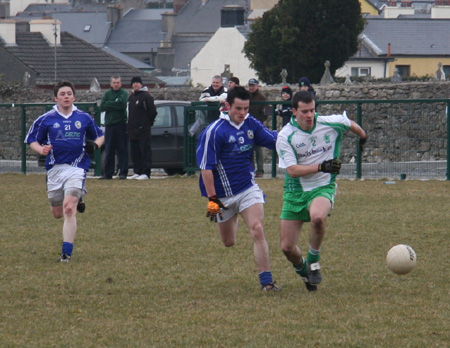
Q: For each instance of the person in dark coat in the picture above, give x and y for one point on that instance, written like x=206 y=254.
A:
x=286 y=109
x=141 y=115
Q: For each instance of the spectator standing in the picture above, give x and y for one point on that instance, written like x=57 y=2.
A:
x=305 y=85
x=257 y=111
x=227 y=176
x=114 y=104
x=141 y=115
x=308 y=148
x=60 y=135
x=286 y=110
x=233 y=82
x=216 y=93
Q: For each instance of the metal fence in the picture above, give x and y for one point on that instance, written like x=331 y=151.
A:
x=407 y=138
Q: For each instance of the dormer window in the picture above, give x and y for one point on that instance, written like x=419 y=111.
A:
x=87 y=27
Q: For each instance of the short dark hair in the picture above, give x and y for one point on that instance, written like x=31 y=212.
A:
x=302 y=97
x=237 y=92
x=235 y=80
x=62 y=84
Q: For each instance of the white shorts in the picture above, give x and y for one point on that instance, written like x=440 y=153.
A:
x=238 y=203
x=63 y=178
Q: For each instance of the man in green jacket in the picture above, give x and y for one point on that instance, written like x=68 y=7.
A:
x=114 y=103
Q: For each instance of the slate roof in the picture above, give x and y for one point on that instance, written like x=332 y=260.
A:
x=74 y=21
x=410 y=37
x=77 y=61
x=195 y=25
x=129 y=60
x=197 y=18
x=138 y=31
x=187 y=47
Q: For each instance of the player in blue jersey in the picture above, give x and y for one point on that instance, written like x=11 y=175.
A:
x=308 y=147
x=224 y=155
x=61 y=134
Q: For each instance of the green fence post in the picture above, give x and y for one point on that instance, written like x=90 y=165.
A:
x=358 y=151
x=24 y=146
x=448 y=140
x=98 y=153
x=274 y=152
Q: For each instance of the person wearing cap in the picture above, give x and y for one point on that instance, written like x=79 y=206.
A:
x=213 y=94
x=257 y=111
x=305 y=85
x=141 y=115
x=114 y=104
x=285 y=112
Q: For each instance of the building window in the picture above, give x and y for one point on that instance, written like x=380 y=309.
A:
x=404 y=70
x=358 y=72
x=87 y=27
x=446 y=69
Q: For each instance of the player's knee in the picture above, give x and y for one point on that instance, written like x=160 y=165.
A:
x=257 y=231
x=287 y=249
x=318 y=222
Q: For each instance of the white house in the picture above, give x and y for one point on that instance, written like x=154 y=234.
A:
x=224 y=48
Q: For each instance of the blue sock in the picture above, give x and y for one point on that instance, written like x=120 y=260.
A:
x=265 y=278
x=67 y=248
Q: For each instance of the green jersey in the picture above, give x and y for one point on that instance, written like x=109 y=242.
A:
x=297 y=146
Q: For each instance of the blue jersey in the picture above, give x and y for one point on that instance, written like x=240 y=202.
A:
x=67 y=134
x=227 y=149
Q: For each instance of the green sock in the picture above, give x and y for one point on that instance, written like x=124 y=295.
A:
x=301 y=269
x=313 y=256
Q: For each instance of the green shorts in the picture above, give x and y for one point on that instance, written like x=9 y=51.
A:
x=296 y=204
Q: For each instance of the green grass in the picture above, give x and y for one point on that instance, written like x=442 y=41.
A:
x=149 y=270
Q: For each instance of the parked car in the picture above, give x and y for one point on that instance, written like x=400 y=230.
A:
x=167 y=136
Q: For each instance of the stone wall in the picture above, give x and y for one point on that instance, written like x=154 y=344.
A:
x=398 y=132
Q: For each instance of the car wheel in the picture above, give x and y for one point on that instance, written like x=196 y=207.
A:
x=173 y=171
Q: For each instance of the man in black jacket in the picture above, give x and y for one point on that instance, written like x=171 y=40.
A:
x=257 y=111
x=141 y=115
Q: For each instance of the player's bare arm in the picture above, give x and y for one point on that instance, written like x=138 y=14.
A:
x=41 y=150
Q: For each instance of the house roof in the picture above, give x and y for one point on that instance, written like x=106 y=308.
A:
x=77 y=61
x=410 y=36
x=129 y=60
x=198 y=16
x=74 y=19
x=186 y=47
x=138 y=31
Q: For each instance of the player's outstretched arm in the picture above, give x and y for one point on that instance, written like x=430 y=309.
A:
x=361 y=133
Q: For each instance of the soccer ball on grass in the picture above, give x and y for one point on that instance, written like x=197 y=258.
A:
x=401 y=259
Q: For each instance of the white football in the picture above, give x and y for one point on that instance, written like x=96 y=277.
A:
x=401 y=259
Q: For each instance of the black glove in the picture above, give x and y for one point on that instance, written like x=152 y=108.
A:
x=215 y=207
x=90 y=147
x=331 y=166
x=362 y=142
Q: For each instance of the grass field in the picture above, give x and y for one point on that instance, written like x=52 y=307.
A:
x=149 y=270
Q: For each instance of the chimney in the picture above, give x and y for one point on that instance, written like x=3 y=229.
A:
x=113 y=14
x=178 y=5
x=8 y=31
x=4 y=9
x=168 y=24
x=231 y=16
x=49 y=28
